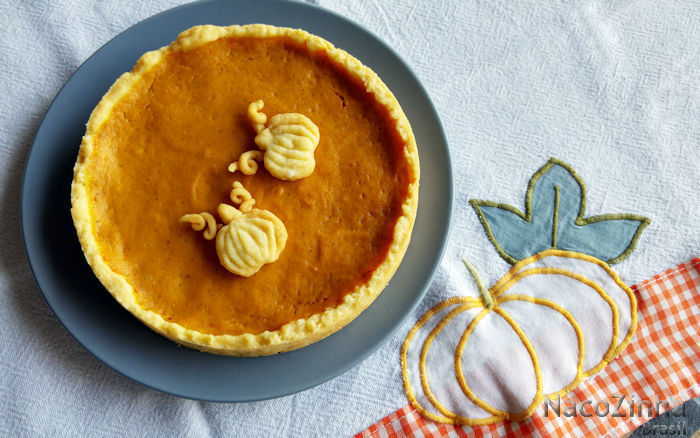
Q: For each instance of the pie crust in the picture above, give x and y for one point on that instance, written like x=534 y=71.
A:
x=293 y=334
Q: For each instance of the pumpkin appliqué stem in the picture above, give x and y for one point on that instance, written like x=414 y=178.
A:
x=484 y=294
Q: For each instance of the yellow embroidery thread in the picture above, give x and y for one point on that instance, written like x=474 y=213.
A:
x=533 y=357
x=609 y=354
x=499 y=295
x=577 y=329
x=424 y=355
x=404 y=366
x=585 y=257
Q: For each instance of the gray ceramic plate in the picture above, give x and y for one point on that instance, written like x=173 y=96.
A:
x=108 y=331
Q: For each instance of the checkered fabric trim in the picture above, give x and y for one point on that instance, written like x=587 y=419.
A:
x=659 y=370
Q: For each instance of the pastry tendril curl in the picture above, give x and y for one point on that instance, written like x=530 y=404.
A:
x=256 y=116
x=241 y=197
x=247 y=163
x=198 y=222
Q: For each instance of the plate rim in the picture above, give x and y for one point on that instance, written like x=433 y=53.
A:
x=368 y=350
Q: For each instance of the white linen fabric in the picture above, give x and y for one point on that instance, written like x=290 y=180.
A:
x=574 y=322
x=609 y=87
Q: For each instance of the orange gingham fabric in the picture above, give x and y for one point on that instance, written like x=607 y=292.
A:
x=662 y=363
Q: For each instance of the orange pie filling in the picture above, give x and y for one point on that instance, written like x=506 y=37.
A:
x=164 y=151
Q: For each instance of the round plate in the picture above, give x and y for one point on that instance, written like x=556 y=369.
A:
x=118 y=339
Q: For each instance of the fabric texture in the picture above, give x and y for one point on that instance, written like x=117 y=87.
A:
x=661 y=364
x=609 y=87
x=555 y=217
x=563 y=319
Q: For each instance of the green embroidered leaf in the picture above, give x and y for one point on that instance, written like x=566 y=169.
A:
x=553 y=218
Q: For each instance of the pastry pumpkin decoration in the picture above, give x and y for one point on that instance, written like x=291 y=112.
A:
x=287 y=143
x=558 y=316
x=249 y=239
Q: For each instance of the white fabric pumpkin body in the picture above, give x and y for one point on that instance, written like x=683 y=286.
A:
x=557 y=318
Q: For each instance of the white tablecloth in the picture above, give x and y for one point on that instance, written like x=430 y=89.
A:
x=612 y=88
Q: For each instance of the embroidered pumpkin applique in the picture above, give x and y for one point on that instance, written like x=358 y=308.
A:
x=559 y=315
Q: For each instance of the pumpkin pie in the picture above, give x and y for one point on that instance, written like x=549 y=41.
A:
x=158 y=147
